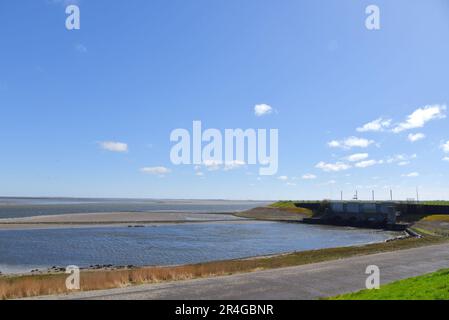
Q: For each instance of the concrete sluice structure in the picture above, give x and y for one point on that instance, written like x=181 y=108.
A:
x=368 y=214
x=375 y=212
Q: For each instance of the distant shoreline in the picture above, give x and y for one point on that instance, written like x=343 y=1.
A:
x=115 y=219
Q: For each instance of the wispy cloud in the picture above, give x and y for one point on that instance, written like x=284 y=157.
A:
x=332 y=167
x=376 y=125
x=411 y=175
x=327 y=183
x=114 y=146
x=214 y=165
x=357 y=157
x=446 y=159
x=235 y=164
x=156 y=170
x=413 y=137
x=81 y=48
x=420 y=117
x=351 y=142
x=309 y=176
x=368 y=163
x=262 y=110
x=401 y=159
x=283 y=178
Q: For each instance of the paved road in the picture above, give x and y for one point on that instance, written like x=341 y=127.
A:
x=302 y=282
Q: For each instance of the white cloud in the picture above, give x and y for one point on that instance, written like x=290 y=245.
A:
x=292 y=184
x=283 y=178
x=445 y=147
x=357 y=157
x=334 y=144
x=413 y=137
x=411 y=175
x=212 y=165
x=401 y=158
x=351 y=142
x=262 y=109
x=114 y=146
x=420 y=117
x=156 y=170
x=446 y=159
x=368 y=163
x=235 y=164
x=375 y=126
x=199 y=174
x=309 y=176
x=332 y=167
x=403 y=163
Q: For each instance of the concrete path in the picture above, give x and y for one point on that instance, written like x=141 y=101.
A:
x=302 y=282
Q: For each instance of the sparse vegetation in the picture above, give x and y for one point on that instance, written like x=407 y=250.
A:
x=278 y=211
x=290 y=206
x=434 y=286
x=433 y=225
x=283 y=204
x=437 y=217
x=436 y=203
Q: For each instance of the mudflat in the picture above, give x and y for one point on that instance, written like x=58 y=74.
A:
x=111 y=218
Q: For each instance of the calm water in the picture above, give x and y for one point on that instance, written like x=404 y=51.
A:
x=21 y=251
x=26 y=207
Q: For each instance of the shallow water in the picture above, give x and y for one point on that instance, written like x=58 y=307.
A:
x=27 y=207
x=24 y=250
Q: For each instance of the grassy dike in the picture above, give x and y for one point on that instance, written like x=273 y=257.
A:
x=48 y=284
x=278 y=211
x=433 y=286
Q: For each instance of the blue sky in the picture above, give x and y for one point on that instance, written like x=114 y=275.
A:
x=84 y=111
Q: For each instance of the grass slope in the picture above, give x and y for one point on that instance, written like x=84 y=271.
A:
x=283 y=204
x=436 y=203
x=434 y=286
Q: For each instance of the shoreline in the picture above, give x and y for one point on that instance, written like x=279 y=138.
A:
x=154 y=219
x=11 y=286
x=114 y=219
x=56 y=269
x=110 y=267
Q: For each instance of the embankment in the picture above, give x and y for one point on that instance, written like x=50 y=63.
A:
x=276 y=214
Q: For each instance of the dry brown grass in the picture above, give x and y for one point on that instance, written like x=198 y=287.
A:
x=38 y=285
